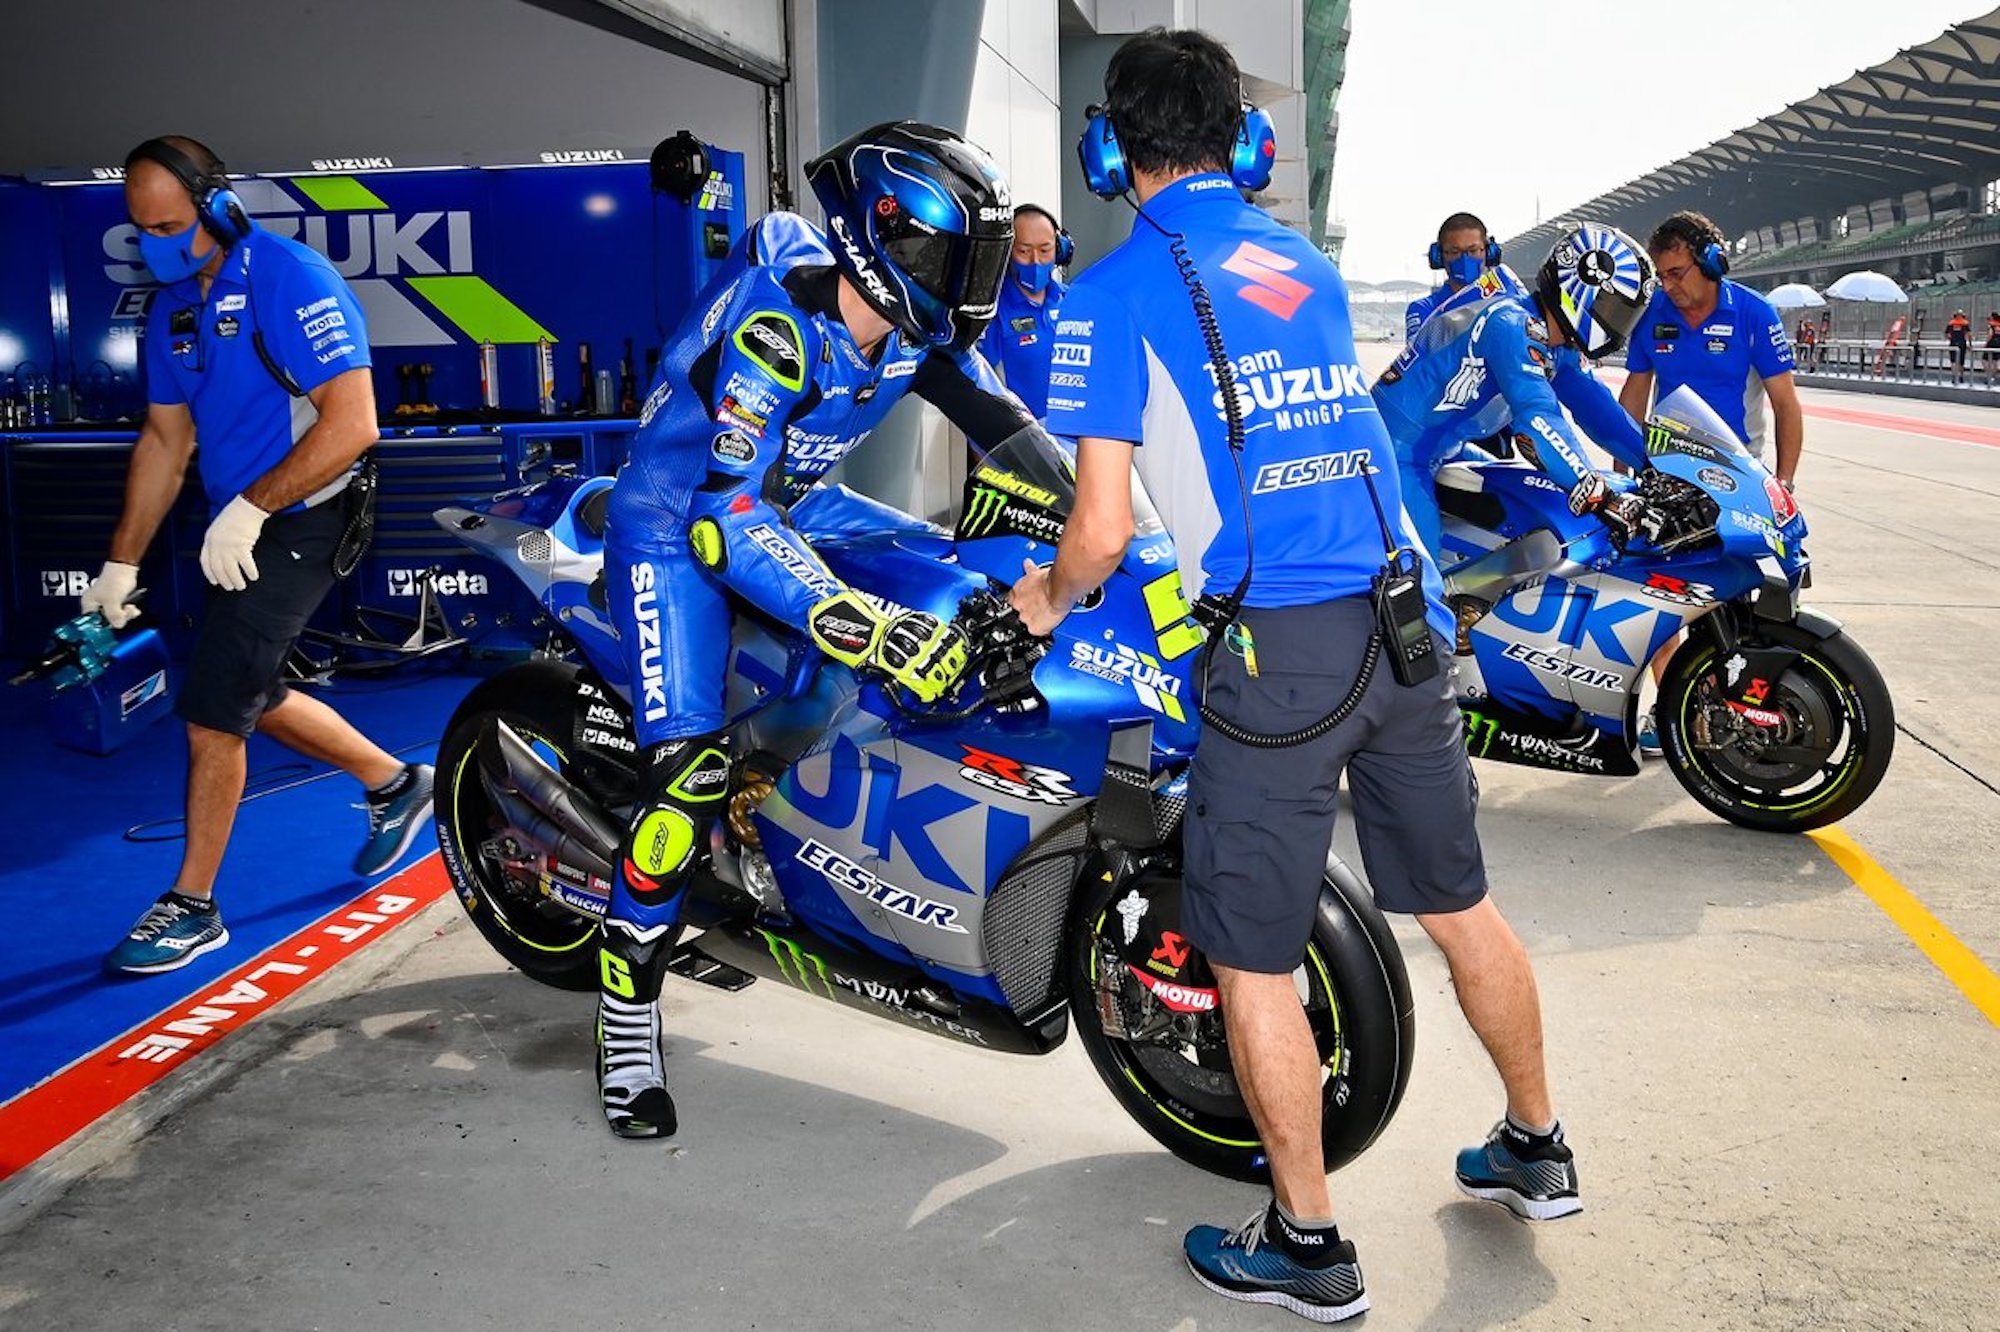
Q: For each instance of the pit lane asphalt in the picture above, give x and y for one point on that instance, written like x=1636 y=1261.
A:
x=1785 y=1115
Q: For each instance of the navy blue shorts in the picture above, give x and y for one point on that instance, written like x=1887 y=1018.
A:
x=1260 y=821
x=236 y=671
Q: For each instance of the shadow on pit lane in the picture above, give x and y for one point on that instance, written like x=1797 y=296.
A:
x=431 y=1155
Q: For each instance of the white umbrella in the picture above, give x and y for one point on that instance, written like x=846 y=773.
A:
x=1867 y=285
x=1794 y=296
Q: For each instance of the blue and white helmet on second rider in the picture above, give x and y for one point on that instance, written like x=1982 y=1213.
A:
x=1595 y=284
x=921 y=223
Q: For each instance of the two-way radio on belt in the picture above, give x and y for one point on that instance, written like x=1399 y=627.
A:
x=1413 y=659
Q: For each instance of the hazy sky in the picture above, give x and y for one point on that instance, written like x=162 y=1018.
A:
x=1487 y=104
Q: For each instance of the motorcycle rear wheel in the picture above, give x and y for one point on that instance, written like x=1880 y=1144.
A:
x=1356 y=994
x=1835 y=705
x=546 y=942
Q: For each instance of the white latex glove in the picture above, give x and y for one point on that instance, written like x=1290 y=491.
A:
x=225 y=551
x=110 y=593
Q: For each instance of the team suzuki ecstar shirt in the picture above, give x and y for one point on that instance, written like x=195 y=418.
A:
x=1726 y=360
x=1129 y=363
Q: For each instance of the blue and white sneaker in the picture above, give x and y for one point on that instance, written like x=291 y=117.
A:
x=1649 y=736
x=1242 y=1264
x=169 y=936
x=1534 y=1182
x=395 y=820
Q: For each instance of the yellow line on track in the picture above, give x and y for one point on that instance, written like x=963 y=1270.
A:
x=1960 y=964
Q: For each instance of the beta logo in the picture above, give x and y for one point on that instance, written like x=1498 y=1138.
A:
x=457 y=583
x=64 y=582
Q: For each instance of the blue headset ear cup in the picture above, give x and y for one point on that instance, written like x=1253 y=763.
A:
x=1492 y=253
x=1713 y=261
x=1256 y=148
x=221 y=211
x=1436 y=255
x=1102 y=158
x=1065 y=248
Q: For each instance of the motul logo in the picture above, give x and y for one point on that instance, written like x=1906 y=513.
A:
x=1269 y=289
x=1180 y=998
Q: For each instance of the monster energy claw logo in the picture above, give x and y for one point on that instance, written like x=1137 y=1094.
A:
x=797 y=966
x=982 y=514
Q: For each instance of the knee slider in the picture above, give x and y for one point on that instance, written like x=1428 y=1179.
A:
x=687 y=782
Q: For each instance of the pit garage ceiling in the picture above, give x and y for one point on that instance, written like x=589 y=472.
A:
x=278 y=85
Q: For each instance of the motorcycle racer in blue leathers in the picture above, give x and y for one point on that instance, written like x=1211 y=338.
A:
x=789 y=358
x=1496 y=358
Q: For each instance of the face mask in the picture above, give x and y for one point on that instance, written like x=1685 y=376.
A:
x=1033 y=277
x=1465 y=269
x=172 y=258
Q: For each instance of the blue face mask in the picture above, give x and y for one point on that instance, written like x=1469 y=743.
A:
x=172 y=258
x=1465 y=269
x=1033 y=277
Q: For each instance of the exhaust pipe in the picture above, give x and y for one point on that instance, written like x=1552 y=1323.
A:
x=545 y=832
x=510 y=768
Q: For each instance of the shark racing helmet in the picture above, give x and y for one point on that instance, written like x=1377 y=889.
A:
x=1595 y=284
x=920 y=222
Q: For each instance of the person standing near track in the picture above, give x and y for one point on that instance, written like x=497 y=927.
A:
x=255 y=345
x=1992 y=352
x=1958 y=336
x=1175 y=129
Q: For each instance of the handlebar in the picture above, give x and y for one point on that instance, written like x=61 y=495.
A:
x=1001 y=657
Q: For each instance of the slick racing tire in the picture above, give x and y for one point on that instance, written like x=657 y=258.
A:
x=1826 y=758
x=545 y=941
x=1179 y=1083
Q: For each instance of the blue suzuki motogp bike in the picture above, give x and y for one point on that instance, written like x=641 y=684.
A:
x=1769 y=714
x=990 y=869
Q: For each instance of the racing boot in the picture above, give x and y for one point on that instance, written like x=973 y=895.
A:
x=687 y=786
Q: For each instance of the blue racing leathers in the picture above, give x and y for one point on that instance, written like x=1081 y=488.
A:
x=1482 y=364
x=760 y=392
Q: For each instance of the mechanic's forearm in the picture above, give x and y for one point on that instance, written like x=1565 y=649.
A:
x=1791 y=430
x=152 y=484
x=325 y=451
x=1088 y=555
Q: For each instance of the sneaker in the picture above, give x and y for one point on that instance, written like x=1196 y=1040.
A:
x=1535 y=1184
x=631 y=1076
x=1649 y=736
x=395 y=820
x=169 y=936
x=1242 y=1265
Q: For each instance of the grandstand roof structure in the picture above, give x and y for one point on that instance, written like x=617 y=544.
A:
x=1930 y=113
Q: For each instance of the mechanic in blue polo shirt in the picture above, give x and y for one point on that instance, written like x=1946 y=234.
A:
x=1717 y=337
x=1725 y=342
x=1462 y=251
x=1017 y=342
x=256 y=347
x=1259 y=820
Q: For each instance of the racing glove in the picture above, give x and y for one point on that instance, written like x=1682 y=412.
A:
x=225 y=552
x=1625 y=514
x=110 y=593
x=916 y=649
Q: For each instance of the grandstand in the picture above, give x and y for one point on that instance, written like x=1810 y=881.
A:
x=1896 y=168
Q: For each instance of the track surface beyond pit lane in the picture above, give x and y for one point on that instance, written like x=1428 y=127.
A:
x=1785 y=1116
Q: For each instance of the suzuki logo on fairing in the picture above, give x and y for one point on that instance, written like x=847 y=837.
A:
x=646 y=616
x=581 y=156
x=351 y=164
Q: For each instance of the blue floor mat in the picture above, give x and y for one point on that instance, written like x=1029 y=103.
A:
x=93 y=840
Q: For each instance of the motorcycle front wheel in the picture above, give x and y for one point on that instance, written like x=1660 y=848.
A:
x=1180 y=1085
x=1825 y=755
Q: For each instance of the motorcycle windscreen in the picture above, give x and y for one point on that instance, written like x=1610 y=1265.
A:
x=1683 y=415
x=1026 y=487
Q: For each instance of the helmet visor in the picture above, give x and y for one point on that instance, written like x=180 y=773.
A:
x=962 y=272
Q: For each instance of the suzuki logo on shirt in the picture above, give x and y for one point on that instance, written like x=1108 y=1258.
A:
x=1464 y=385
x=1269 y=289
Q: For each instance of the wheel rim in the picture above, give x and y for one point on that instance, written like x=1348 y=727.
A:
x=1189 y=1081
x=1823 y=714
x=523 y=913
